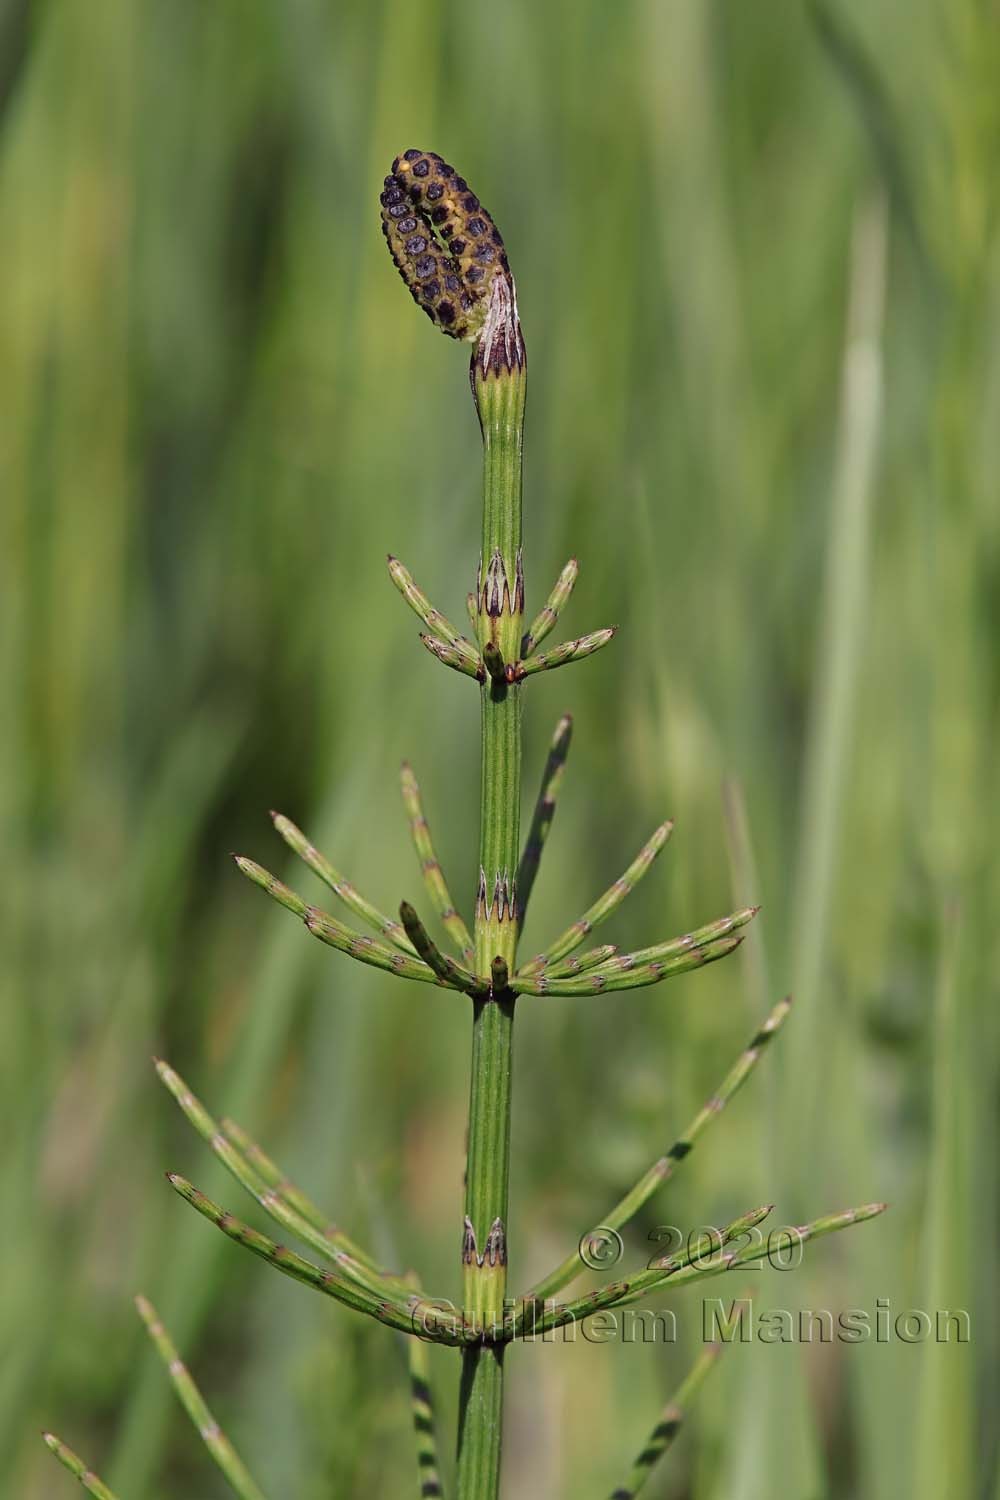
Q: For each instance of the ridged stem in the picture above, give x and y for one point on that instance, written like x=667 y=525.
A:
x=499 y=394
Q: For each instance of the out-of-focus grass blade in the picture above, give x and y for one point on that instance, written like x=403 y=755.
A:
x=746 y=891
x=875 y=108
x=832 y=712
x=945 y=1446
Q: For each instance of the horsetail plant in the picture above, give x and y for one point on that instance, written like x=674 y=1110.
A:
x=452 y=257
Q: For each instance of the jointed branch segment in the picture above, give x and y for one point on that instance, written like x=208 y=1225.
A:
x=437 y=623
x=447 y=970
x=668 y=1425
x=710 y=933
x=533 y=1317
x=703 y=1258
x=415 y=1315
x=800 y=1234
x=442 y=640
x=293 y=1197
x=452 y=657
x=548 y=616
x=592 y=959
x=583 y=646
x=541 y=818
x=215 y=1440
x=663 y=1169
x=431 y=870
x=76 y=1466
x=603 y=980
x=422 y=1406
x=604 y=968
x=351 y=1262
x=578 y=932
x=352 y=899
x=322 y=925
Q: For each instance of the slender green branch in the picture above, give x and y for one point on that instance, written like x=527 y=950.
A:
x=415 y=1315
x=430 y=869
x=422 y=1406
x=668 y=1424
x=541 y=818
x=663 y=1169
x=352 y=899
x=341 y=1251
x=454 y=657
x=272 y=1175
x=335 y=934
x=569 y=651
x=548 y=616
x=592 y=959
x=532 y=1317
x=447 y=970
x=710 y=933
x=580 y=930
x=700 y=1262
x=800 y=1234
x=603 y=981
x=436 y=622
x=215 y=1440
x=76 y=1466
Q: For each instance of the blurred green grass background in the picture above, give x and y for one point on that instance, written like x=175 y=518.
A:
x=757 y=258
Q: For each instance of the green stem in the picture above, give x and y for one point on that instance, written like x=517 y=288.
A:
x=499 y=388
